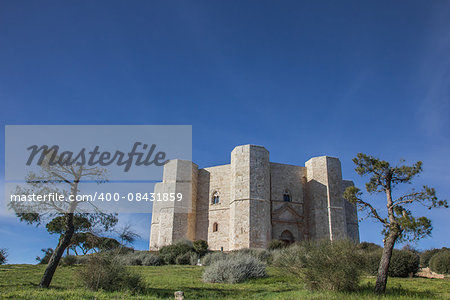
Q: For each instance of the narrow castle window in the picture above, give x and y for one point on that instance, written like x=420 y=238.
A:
x=215 y=198
x=215 y=227
x=287 y=196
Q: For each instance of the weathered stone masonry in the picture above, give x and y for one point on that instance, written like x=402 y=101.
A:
x=252 y=201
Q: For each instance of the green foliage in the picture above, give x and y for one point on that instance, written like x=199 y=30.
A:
x=212 y=257
x=185 y=259
x=201 y=247
x=277 y=244
x=3 y=256
x=58 y=224
x=404 y=263
x=323 y=265
x=45 y=259
x=440 y=262
x=170 y=253
x=138 y=258
x=368 y=247
x=152 y=260
x=69 y=260
x=104 y=272
x=426 y=255
x=19 y=282
x=260 y=254
x=234 y=269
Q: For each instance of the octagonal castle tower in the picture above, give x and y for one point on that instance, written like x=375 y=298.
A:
x=252 y=201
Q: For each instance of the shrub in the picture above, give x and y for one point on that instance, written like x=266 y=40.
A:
x=3 y=256
x=45 y=259
x=69 y=260
x=152 y=260
x=277 y=244
x=212 y=257
x=201 y=247
x=369 y=247
x=82 y=259
x=128 y=259
x=184 y=259
x=426 y=255
x=404 y=263
x=234 y=269
x=194 y=258
x=170 y=253
x=440 y=262
x=324 y=265
x=372 y=261
x=260 y=254
x=104 y=272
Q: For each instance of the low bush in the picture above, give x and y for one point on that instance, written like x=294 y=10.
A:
x=234 y=269
x=139 y=258
x=82 y=259
x=212 y=257
x=260 y=254
x=404 y=263
x=69 y=260
x=323 y=265
x=106 y=273
x=369 y=247
x=200 y=247
x=440 y=262
x=46 y=258
x=184 y=259
x=194 y=258
x=371 y=261
x=129 y=259
x=170 y=253
x=152 y=260
x=426 y=255
x=277 y=244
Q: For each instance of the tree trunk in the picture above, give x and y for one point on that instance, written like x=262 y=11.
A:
x=64 y=242
x=380 y=286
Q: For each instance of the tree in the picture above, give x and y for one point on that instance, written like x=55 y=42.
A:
x=58 y=176
x=399 y=222
x=3 y=256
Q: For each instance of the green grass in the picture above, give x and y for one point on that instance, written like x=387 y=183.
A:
x=20 y=282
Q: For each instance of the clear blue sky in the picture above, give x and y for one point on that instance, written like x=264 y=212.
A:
x=301 y=78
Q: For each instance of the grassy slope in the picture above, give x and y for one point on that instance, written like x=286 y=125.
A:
x=20 y=281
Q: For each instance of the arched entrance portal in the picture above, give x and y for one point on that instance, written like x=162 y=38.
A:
x=287 y=237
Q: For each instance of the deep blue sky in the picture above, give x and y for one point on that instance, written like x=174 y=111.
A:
x=301 y=78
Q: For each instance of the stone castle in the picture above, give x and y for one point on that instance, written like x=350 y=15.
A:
x=252 y=201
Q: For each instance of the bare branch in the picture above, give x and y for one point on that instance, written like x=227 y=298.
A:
x=372 y=210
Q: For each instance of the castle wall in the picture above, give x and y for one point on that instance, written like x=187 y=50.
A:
x=351 y=215
x=175 y=220
x=214 y=180
x=326 y=211
x=251 y=211
x=288 y=215
x=250 y=197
